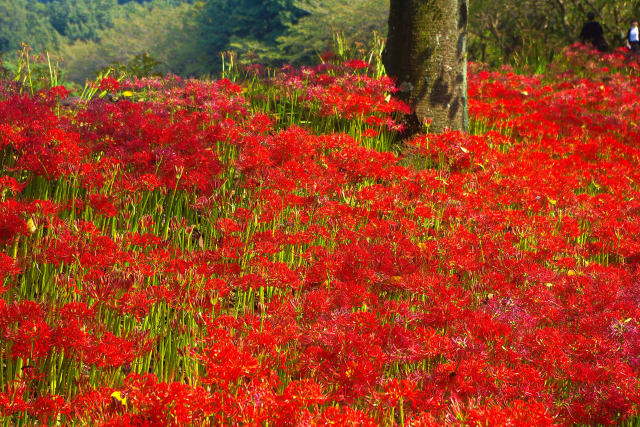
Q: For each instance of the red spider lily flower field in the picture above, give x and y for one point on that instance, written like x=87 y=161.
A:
x=260 y=251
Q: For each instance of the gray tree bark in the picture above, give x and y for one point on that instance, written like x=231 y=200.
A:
x=426 y=52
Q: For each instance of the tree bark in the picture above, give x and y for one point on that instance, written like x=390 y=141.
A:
x=426 y=52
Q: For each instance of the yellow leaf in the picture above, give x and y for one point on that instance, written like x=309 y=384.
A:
x=118 y=396
x=553 y=202
x=571 y=273
x=31 y=226
x=127 y=94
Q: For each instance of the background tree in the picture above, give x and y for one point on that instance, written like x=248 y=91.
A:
x=81 y=19
x=357 y=21
x=526 y=33
x=427 y=53
x=166 y=34
x=532 y=32
x=247 y=25
x=25 y=22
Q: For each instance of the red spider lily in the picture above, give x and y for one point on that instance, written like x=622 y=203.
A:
x=283 y=274
x=109 y=84
x=11 y=401
x=23 y=327
x=8 y=267
x=345 y=416
x=168 y=403
x=356 y=64
x=102 y=205
x=520 y=414
x=47 y=408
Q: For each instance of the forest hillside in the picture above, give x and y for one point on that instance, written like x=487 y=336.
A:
x=187 y=37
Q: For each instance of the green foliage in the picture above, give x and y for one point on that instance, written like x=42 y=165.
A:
x=533 y=32
x=35 y=72
x=22 y=21
x=154 y=30
x=49 y=24
x=187 y=36
x=81 y=19
x=73 y=20
x=357 y=21
x=246 y=25
x=141 y=65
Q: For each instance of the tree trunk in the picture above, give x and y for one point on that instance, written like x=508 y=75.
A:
x=427 y=53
